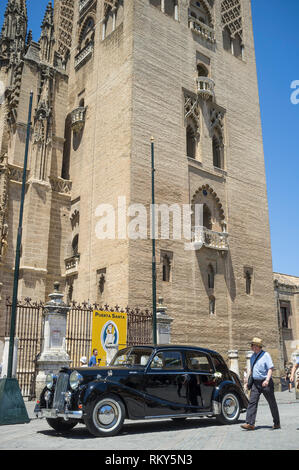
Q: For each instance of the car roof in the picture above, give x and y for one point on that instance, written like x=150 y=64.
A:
x=178 y=346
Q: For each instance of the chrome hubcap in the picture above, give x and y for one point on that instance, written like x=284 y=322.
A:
x=106 y=415
x=230 y=406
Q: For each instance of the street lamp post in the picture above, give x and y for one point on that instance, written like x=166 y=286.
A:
x=154 y=276
x=12 y=407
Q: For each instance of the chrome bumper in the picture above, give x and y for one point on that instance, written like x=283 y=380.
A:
x=50 y=413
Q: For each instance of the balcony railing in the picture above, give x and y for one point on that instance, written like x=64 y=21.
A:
x=205 y=87
x=78 y=118
x=71 y=265
x=202 y=29
x=201 y=236
x=83 y=55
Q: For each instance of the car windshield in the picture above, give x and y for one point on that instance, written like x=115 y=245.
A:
x=132 y=357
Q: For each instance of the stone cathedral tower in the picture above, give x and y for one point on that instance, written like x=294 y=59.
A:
x=106 y=76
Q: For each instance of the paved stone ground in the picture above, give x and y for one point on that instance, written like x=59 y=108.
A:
x=194 y=434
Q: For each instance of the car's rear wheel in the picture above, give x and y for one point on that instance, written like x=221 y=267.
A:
x=60 y=425
x=230 y=409
x=105 y=416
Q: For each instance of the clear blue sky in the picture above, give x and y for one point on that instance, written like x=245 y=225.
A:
x=276 y=34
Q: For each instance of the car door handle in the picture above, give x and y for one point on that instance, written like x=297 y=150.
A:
x=133 y=372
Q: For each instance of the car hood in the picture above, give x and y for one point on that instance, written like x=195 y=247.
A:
x=93 y=373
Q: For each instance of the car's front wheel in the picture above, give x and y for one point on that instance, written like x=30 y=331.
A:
x=230 y=409
x=105 y=416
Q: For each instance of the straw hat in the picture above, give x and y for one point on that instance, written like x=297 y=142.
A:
x=257 y=342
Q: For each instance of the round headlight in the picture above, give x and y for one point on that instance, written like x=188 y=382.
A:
x=49 y=381
x=75 y=379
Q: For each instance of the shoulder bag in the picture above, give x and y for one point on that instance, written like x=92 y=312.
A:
x=250 y=378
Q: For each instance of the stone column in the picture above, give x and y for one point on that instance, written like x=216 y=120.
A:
x=233 y=356
x=163 y=324
x=53 y=356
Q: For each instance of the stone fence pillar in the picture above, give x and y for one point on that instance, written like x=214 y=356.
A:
x=248 y=357
x=163 y=324
x=233 y=356
x=295 y=357
x=53 y=355
x=3 y=372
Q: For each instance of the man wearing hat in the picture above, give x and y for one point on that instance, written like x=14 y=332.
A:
x=261 y=368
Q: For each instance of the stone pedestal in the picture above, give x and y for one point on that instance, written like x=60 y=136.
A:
x=233 y=356
x=53 y=356
x=5 y=358
x=163 y=324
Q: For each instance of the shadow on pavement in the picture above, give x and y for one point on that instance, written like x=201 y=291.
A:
x=81 y=432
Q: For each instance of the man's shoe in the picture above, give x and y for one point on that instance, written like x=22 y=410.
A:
x=248 y=427
x=276 y=426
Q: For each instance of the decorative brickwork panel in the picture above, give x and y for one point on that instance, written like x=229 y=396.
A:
x=231 y=13
x=65 y=29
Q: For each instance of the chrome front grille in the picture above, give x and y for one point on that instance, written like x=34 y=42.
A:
x=61 y=388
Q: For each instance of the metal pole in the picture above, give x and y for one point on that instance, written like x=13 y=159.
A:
x=18 y=250
x=154 y=277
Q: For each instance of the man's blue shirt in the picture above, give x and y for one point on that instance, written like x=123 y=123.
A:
x=92 y=361
x=262 y=365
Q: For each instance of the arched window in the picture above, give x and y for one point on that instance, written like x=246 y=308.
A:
x=217 y=152
x=191 y=142
x=166 y=269
x=113 y=14
x=200 y=11
x=248 y=282
x=75 y=245
x=231 y=15
x=207 y=217
x=211 y=277
x=212 y=305
x=202 y=70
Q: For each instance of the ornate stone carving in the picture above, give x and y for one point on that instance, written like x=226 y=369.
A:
x=216 y=118
x=231 y=14
x=192 y=111
x=60 y=185
x=65 y=27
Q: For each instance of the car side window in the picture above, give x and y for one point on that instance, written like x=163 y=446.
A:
x=220 y=366
x=167 y=360
x=198 y=361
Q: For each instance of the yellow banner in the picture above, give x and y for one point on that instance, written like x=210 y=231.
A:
x=109 y=333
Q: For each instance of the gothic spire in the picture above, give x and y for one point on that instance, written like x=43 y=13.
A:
x=14 y=30
x=47 y=34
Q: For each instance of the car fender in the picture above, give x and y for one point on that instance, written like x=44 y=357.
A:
x=229 y=386
x=225 y=387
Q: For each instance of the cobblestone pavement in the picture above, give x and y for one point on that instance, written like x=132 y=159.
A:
x=194 y=434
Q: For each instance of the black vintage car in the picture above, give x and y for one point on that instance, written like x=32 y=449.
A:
x=143 y=382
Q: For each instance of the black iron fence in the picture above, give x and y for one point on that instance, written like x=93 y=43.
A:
x=29 y=331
